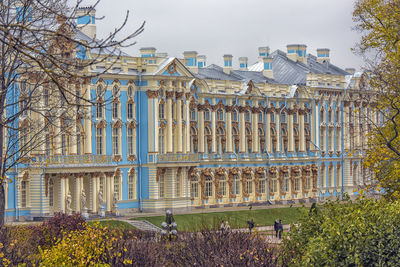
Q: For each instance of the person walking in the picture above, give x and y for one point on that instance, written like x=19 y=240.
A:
x=276 y=228
x=280 y=229
x=251 y=225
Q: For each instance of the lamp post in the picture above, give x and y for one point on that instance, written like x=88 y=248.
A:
x=169 y=226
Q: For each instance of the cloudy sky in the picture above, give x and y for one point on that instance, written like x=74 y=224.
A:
x=237 y=27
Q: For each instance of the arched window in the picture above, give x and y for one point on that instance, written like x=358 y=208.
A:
x=273 y=139
x=249 y=184
x=286 y=182
x=132 y=185
x=51 y=192
x=99 y=91
x=115 y=138
x=99 y=110
x=272 y=117
x=261 y=185
x=330 y=115
x=161 y=111
x=295 y=118
x=207 y=115
x=248 y=138
x=322 y=139
x=337 y=116
x=161 y=140
x=260 y=117
x=261 y=139
x=274 y=183
x=130 y=92
x=129 y=111
x=209 y=187
x=285 y=139
x=321 y=115
x=130 y=140
x=220 y=135
x=193 y=136
x=220 y=115
x=115 y=91
x=194 y=187
x=235 y=115
x=283 y=117
x=236 y=184
x=248 y=116
x=99 y=141
x=235 y=135
x=207 y=136
x=222 y=185
x=192 y=114
x=297 y=181
x=115 y=112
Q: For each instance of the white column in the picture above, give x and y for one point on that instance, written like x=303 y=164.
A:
x=187 y=129
x=201 y=131
x=278 y=132
x=95 y=181
x=63 y=192
x=78 y=192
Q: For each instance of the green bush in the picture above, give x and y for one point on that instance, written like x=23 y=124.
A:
x=363 y=233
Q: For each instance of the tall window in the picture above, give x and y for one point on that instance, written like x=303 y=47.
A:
x=248 y=137
x=322 y=139
x=117 y=186
x=192 y=138
x=235 y=115
x=99 y=110
x=286 y=182
x=295 y=118
x=51 y=193
x=209 y=186
x=130 y=91
x=220 y=135
x=297 y=182
x=235 y=137
x=260 y=117
x=24 y=193
x=321 y=116
x=207 y=136
x=194 y=187
x=330 y=139
x=308 y=181
x=261 y=185
x=178 y=185
x=99 y=91
x=192 y=114
x=115 y=138
x=131 y=186
x=274 y=186
x=248 y=116
x=161 y=186
x=220 y=115
x=272 y=117
x=330 y=118
x=337 y=118
x=236 y=184
x=130 y=111
x=249 y=184
x=79 y=144
x=115 y=91
x=283 y=117
x=306 y=118
x=114 y=110
x=161 y=111
x=99 y=141
x=130 y=141
x=63 y=143
x=337 y=136
x=161 y=140
x=207 y=115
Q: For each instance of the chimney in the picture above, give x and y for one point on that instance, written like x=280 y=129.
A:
x=191 y=60
x=297 y=52
x=267 y=72
x=86 y=21
x=263 y=52
x=351 y=71
x=228 y=63
x=148 y=54
x=323 y=55
x=201 y=61
x=243 y=63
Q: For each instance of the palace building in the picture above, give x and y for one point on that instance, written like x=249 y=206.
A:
x=177 y=133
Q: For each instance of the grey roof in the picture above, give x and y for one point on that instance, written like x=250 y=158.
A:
x=214 y=72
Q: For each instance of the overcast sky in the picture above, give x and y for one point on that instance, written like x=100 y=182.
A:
x=237 y=27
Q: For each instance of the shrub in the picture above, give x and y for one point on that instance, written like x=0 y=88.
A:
x=364 y=233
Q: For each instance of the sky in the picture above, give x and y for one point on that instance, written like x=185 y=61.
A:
x=238 y=27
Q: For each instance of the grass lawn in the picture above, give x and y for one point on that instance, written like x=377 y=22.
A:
x=236 y=219
x=114 y=224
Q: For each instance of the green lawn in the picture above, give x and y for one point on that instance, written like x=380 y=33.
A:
x=236 y=219
x=114 y=224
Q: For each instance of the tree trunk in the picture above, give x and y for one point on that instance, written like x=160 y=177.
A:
x=2 y=204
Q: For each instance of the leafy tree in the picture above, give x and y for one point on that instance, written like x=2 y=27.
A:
x=363 y=233
x=44 y=70
x=379 y=23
